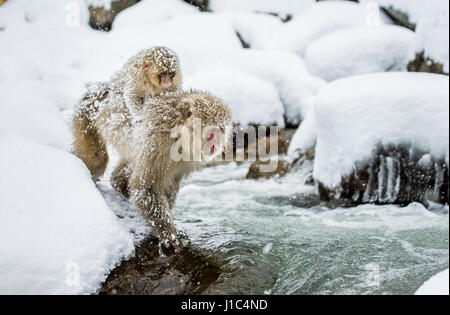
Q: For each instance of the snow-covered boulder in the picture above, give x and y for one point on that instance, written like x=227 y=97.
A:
x=380 y=134
x=190 y=36
x=32 y=114
x=252 y=100
x=432 y=27
x=57 y=236
x=150 y=11
x=322 y=18
x=256 y=30
x=437 y=285
x=286 y=71
x=360 y=50
x=282 y=8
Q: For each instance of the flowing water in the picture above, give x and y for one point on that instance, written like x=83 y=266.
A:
x=275 y=237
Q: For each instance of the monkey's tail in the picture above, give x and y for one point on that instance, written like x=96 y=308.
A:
x=89 y=144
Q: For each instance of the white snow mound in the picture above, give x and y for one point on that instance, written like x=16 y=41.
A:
x=150 y=11
x=244 y=93
x=57 y=236
x=360 y=50
x=353 y=115
x=437 y=285
x=323 y=18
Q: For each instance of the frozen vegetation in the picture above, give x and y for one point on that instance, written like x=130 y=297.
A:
x=61 y=233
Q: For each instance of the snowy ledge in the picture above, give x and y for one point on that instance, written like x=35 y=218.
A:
x=383 y=138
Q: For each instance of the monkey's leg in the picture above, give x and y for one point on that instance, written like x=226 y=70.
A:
x=154 y=205
x=120 y=179
x=90 y=146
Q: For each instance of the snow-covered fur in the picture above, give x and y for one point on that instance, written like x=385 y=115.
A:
x=146 y=170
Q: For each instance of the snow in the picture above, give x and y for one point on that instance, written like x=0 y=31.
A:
x=357 y=113
x=432 y=26
x=257 y=30
x=32 y=114
x=57 y=236
x=286 y=71
x=246 y=100
x=323 y=18
x=360 y=50
x=437 y=285
x=281 y=7
x=305 y=137
x=150 y=11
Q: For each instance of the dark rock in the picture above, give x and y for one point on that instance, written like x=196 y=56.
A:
x=395 y=175
x=425 y=64
x=186 y=272
x=201 y=4
x=102 y=19
x=255 y=172
x=399 y=18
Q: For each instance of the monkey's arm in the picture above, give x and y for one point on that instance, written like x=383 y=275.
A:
x=133 y=100
x=154 y=201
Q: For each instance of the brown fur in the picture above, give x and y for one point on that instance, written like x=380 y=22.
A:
x=139 y=77
x=146 y=171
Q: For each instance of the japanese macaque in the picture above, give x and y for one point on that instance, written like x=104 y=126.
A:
x=180 y=131
x=146 y=74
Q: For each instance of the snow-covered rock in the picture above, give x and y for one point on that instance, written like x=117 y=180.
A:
x=244 y=93
x=256 y=30
x=304 y=137
x=32 y=113
x=286 y=71
x=150 y=11
x=360 y=50
x=437 y=285
x=432 y=26
x=57 y=234
x=280 y=7
x=357 y=115
x=190 y=36
x=322 y=18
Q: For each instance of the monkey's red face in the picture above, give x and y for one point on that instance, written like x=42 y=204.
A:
x=166 y=79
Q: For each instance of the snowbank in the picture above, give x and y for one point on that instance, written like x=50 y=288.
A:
x=257 y=30
x=244 y=93
x=360 y=50
x=286 y=71
x=437 y=285
x=32 y=113
x=189 y=35
x=354 y=115
x=281 y=7
x=57 y=236
x=432 y=30
x=150 y=11
x=323 y=18
x=305 y=137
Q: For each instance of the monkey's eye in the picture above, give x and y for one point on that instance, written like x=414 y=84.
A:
x=172 y=74
x=188 y=114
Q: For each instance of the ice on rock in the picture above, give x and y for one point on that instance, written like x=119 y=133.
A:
x=57 y=234
x=356 y=121
x=360 y=50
